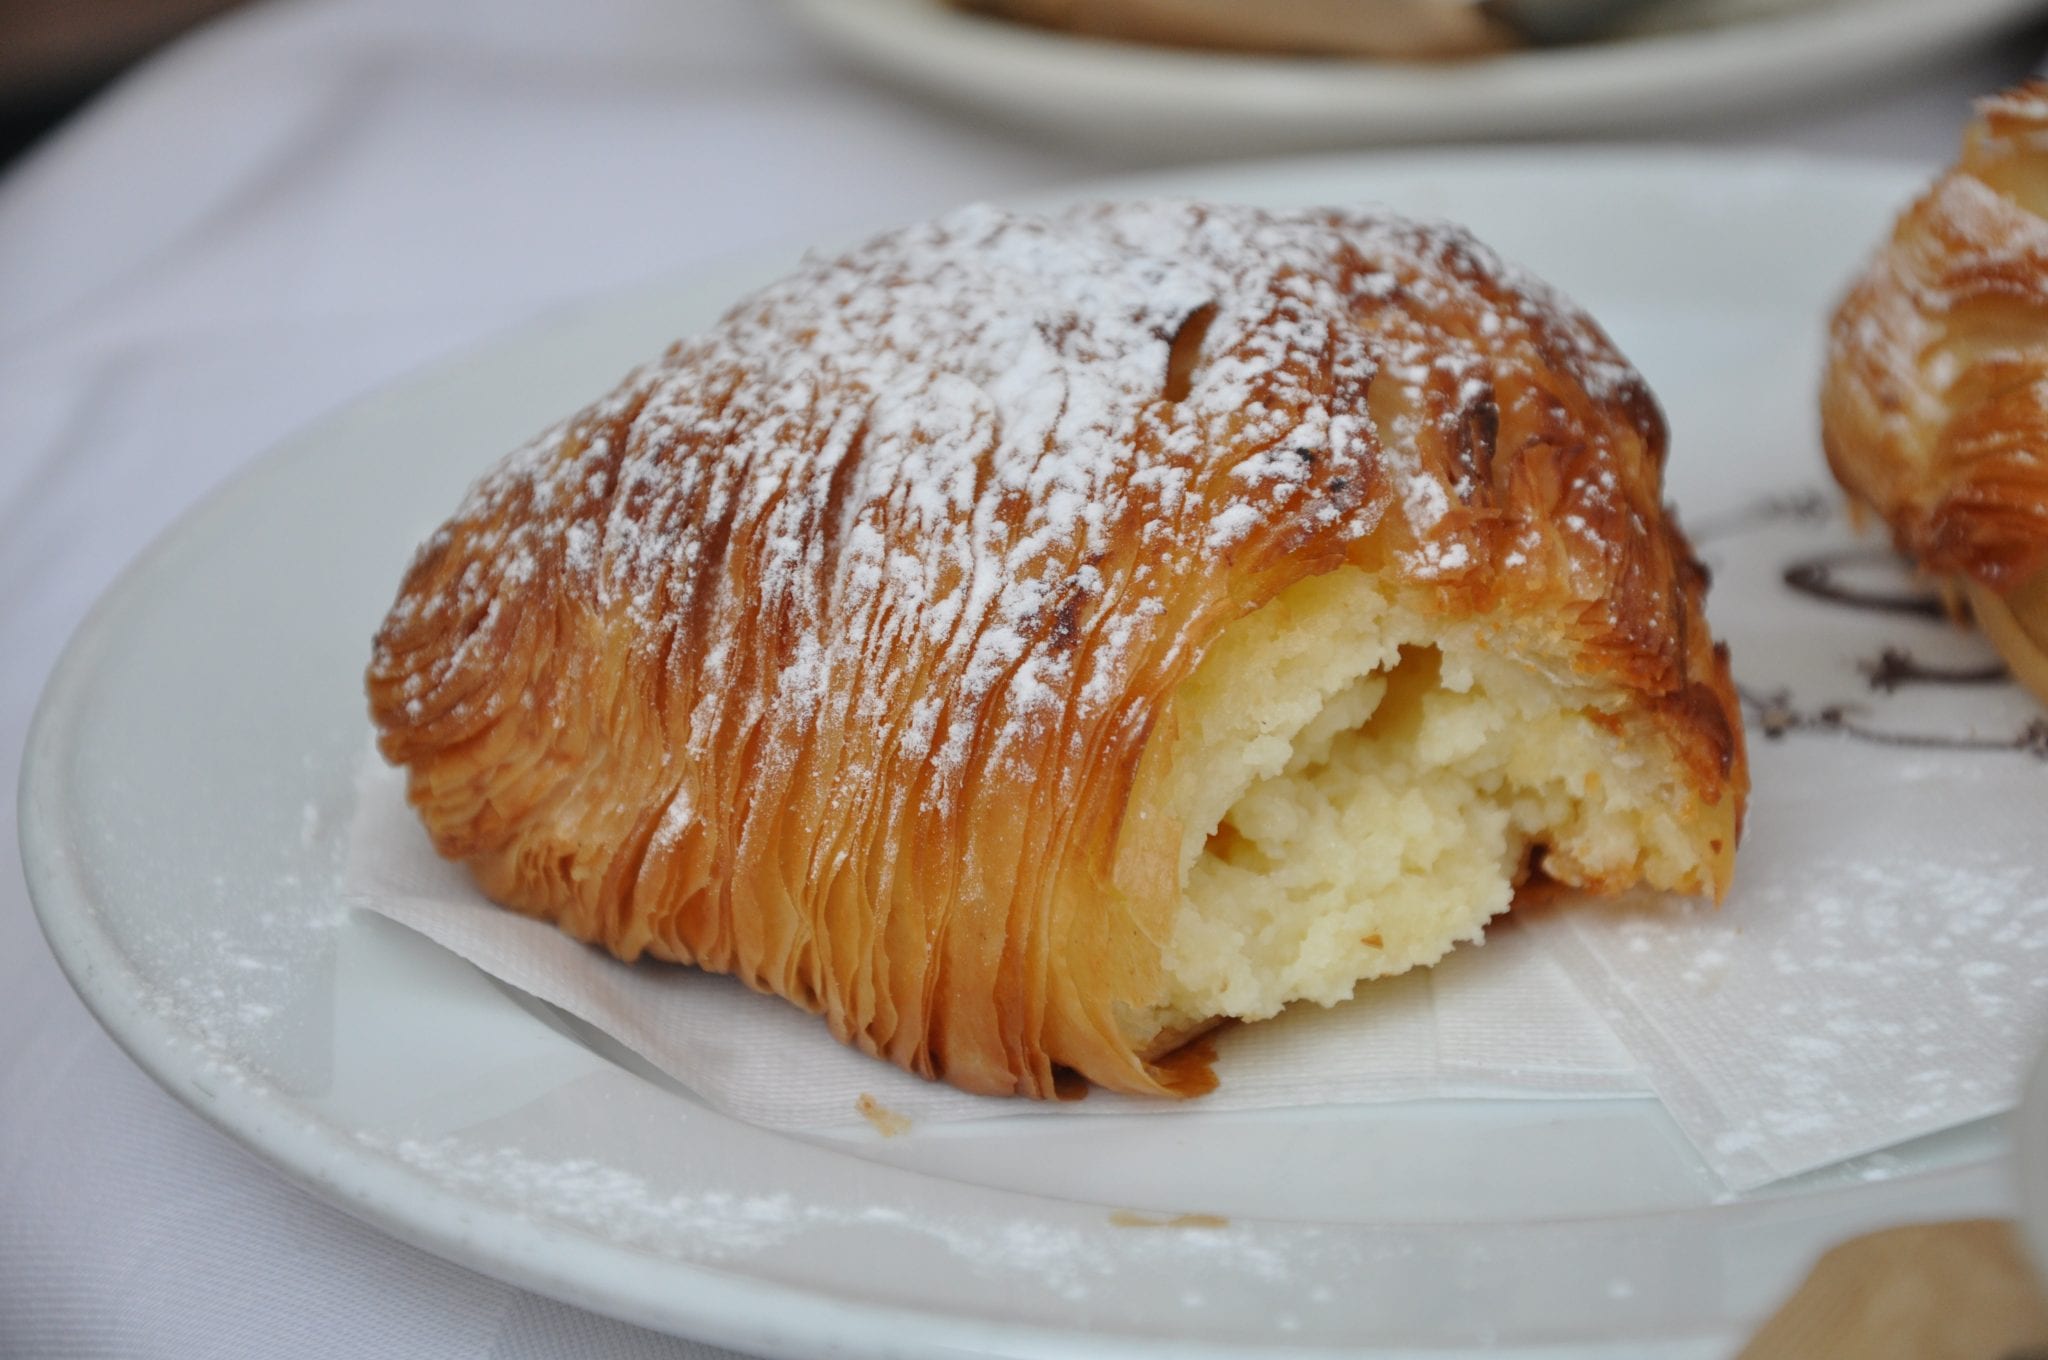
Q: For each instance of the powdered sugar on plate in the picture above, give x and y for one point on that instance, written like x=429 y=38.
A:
x=1880 y=967
x=1070 y=1261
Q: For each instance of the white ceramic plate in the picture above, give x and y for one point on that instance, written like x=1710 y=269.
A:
x=2030 y=1163
x=189 y=782
x=1178 y=103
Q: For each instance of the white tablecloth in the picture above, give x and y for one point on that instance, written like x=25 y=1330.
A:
x=284 y=211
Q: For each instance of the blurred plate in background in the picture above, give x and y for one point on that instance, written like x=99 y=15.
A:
x=1726 y=55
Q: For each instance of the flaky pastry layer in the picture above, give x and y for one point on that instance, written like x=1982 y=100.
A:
x=1006 y=639
x=1934 y=408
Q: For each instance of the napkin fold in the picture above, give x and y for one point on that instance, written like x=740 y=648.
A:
x=1880 y=968
x=1497 y=1020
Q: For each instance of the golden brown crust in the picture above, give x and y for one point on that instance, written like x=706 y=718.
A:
x=1935 y=405
x=824 y=651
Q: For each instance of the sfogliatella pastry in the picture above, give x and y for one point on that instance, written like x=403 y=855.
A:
x=1026 y=641
x=1934 y=411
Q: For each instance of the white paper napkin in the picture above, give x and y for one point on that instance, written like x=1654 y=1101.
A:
x=1879 y=972
x=1501 y=1020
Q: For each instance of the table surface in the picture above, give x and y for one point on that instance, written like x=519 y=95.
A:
x=288 y=209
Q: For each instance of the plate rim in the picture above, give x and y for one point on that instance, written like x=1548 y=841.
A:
x=2030 y=1165
x=737 y=1309
x=952 y=55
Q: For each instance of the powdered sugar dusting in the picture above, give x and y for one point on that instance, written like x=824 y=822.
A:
x=1846 y=1004
x=1070 y=1261
x=1915 y=331
x=957 y=444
